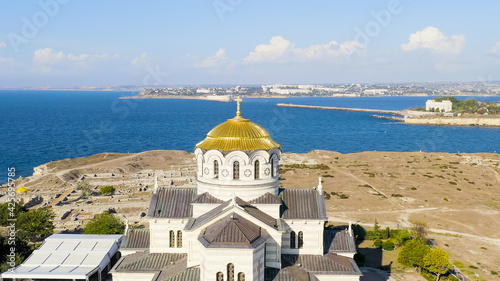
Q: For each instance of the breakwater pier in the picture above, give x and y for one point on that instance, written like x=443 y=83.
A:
x=394 y=112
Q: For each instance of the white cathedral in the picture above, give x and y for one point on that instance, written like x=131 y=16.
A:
x=237 y=224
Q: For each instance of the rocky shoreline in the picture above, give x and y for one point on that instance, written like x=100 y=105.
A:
x=455 y=121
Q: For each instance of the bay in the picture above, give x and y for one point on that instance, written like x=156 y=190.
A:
x=41 y=126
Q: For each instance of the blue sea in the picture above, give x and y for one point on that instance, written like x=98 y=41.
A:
x=41 y=126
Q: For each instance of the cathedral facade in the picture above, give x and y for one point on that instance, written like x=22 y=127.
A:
x=237 y=224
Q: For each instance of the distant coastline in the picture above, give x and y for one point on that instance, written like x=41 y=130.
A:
x=464 y=120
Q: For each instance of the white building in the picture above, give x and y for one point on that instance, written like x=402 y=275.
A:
x=70 y=257
x=237 y=224
x=432 y=105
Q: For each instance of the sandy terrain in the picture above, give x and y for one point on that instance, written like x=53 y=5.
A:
x=457 y=195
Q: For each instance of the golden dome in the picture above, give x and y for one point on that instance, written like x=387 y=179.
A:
x=238 y=134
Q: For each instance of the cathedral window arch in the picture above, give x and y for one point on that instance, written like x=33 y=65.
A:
x=230 y=272
x=292 y=240
x=300 y=240
x=241 y=276
x=236 y=170
x=220 y=276
x=179 y=239
x=257 y=169
x=272 y=167
x=216 y=169
x=172 y=239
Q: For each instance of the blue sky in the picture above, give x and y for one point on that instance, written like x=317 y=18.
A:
x=99 y=43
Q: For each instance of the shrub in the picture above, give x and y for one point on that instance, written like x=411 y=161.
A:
x=386 y=233
x=105 y=223
x=458 y=264
x=377 y=243
x=473 y=267
x=107 y=190
x=388 y=245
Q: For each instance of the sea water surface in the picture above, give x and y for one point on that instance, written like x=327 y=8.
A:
x=41 y=126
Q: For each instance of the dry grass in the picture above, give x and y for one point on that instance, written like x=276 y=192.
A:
x=395 y=188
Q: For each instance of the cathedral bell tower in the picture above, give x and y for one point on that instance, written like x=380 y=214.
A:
x=238 y=158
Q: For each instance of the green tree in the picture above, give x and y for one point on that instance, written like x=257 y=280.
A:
x=35 y=225
x=388 y=245
x=437 y=262
x=403 y=236
x=386 y=233
x=107 y=190
x=6 y=209
x=105 y=223
x=413 y=253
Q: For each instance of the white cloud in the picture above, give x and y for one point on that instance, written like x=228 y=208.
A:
x=215 y=61
x=495 y=49
x=49 y=61
x=47 y=56
x=432 y=39
x=86 y=60
x=2 y=44
x=280 y=49
x=142 y=59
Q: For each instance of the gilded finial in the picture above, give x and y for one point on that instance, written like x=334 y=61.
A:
x=238 y=99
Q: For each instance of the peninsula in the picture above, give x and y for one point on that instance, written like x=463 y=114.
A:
x=457 y=113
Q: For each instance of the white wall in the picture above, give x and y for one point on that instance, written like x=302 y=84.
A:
x=160 y=235
x=245 y=260
x=312 y=233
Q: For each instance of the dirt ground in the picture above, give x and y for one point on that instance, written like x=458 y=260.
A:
x=457 y=195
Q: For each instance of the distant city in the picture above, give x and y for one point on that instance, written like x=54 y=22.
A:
x=478 y=88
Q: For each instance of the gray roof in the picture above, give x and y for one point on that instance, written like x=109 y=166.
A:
x=247 y=207
x=292 y=273
x=189 y=274
x=196 y=222
x=136 y=238
x=327 y=264
x=148 y=262
x=267 y=198
x=172 y=203
x=339 y=241
x=301 y=203
x=206 y=198
x=232 y=231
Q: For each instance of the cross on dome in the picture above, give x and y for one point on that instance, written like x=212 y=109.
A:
x=238 y=99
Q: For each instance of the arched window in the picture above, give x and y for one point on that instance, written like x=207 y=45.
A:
x=257 y=169
x=272 y=167
x=230 y=272
x=172 y=239
x=300 y=242
x=179 y=239
x=216 y=169
x=236 y=170
x=220 y=276
x=292 y=240
x=241 y=276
